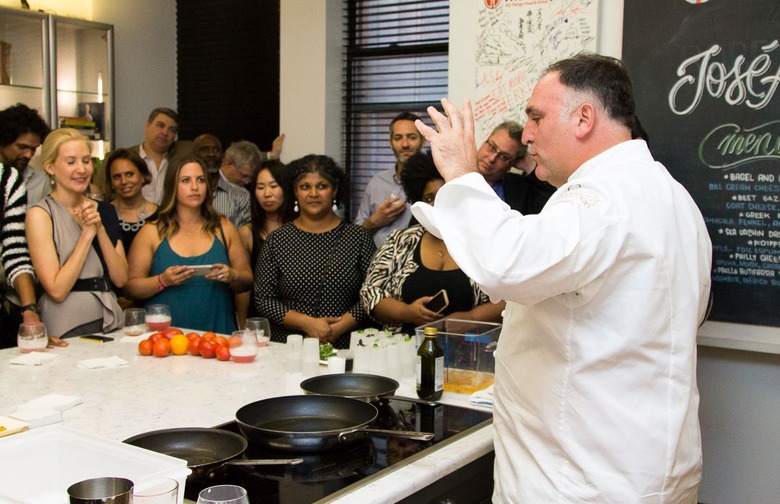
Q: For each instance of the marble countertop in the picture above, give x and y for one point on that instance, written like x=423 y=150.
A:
x=186 y=391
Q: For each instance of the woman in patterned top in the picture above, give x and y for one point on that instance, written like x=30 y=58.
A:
x=310 y=270
x=126 y=174
x=413 y=265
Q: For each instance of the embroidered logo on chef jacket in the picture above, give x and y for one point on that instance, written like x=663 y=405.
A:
x=587 y=197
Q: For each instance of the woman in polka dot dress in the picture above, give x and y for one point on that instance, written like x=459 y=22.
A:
x=310 y=270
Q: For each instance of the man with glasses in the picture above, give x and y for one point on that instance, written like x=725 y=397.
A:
x=231 y=198
x=502 y=150
x=21 y=132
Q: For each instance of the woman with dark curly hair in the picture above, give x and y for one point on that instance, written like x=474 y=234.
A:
x=187 y=233
x=413 y=265
x=310 y=270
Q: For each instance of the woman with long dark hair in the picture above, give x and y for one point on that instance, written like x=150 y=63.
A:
x=188 y=233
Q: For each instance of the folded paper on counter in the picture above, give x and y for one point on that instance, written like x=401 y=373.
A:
x=57 y=402
x=34 y=359
x=482 y=397
x=103 y=363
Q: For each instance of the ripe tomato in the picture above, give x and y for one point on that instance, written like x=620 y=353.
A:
x=154 y=337
x=223 y=352
x=194 y=347
x=222 y=341
x=235 y=341
x=192 y=335
x=207 y=349
x=210 y=335
x=161 y=347
x=171 y=332
x=145 y=347
x=179 y=344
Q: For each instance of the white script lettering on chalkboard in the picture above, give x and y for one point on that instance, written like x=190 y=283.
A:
x=735 y=86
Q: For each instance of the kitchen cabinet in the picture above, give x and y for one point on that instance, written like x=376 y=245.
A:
x=63 y=67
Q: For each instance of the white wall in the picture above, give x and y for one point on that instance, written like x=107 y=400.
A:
x=310 y=78
x=144 y=61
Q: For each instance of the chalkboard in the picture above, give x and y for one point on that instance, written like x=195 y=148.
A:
x=515 y=41
x=707 y=81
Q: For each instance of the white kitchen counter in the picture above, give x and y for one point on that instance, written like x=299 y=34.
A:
x=186 y=391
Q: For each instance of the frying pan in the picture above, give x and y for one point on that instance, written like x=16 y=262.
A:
x=311 y=423
x=366 y=387
x=205 y=450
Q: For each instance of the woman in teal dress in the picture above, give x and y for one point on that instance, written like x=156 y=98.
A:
x=188 y=233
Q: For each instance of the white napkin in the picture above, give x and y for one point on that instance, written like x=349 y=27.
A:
x=134 y=339
x=58 y=402
x=482 y=397
x=103 y=363
x=34 y=359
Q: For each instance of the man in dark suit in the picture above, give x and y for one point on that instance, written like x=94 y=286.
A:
x=502 y=150
x=159 y=149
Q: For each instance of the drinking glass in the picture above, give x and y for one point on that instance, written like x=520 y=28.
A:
x=158 y=491
x=32 y=337
x=294 y=348
x=243 y=346
x=223 y=494
x=134 y=321
x=158 y=317
x=310 y=357
x=261 y=328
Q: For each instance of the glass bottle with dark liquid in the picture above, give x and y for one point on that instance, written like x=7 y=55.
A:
x=430 y=367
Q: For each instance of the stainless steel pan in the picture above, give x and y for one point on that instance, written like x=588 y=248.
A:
x=312 y=423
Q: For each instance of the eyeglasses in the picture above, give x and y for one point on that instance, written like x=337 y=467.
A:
x=503 y=156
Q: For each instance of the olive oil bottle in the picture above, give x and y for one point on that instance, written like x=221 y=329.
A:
x=430 y=367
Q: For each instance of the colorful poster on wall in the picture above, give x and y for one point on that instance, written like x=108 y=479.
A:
x=706 y=76
x=516 y=40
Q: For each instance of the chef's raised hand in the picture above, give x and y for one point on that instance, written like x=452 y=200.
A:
x=453 y=147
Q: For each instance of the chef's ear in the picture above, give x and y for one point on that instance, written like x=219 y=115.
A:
x=586 y=119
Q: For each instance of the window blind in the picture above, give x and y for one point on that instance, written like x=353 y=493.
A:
x=396 y=56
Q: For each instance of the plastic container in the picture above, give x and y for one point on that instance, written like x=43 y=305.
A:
x=40 y=464
x=468 y=348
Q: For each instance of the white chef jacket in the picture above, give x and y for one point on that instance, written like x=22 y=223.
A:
x=595 y=392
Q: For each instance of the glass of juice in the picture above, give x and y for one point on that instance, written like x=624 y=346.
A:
x=158 y=317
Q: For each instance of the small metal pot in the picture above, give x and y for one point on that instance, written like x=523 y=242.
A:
x=101 y=491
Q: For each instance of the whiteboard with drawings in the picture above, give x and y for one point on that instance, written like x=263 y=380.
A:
x=515 y=41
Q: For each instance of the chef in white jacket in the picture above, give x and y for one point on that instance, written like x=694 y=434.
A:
x=595 y=392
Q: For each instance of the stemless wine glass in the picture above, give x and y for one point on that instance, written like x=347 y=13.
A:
x=158 y=317
x=157 y=491
x=32 y=337
x=261 y=328
x=246 y=350
x=134 y=321
x=223 y=494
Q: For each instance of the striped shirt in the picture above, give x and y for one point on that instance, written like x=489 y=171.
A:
x=13 y=196
x=232 y=201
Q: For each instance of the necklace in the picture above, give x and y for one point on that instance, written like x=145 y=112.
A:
x=441 y=253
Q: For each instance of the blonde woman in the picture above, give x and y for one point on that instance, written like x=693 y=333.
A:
x=74 y=244
x=188 y=233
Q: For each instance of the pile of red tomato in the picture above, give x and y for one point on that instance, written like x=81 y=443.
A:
x=174 y=341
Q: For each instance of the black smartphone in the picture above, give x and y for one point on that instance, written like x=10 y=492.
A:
x=438 y=302
x=98 y=338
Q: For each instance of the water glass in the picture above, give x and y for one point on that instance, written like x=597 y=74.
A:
x=261 y=328
x=310 y=357
x=158 y=317
x=32 y=337
x=223 y=494
x=246 y=350
x=337 y=365
x=294 y=348
x=157 y=491
x=134 y=321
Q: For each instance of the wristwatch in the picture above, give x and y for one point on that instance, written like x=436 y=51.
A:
x=32 y=307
